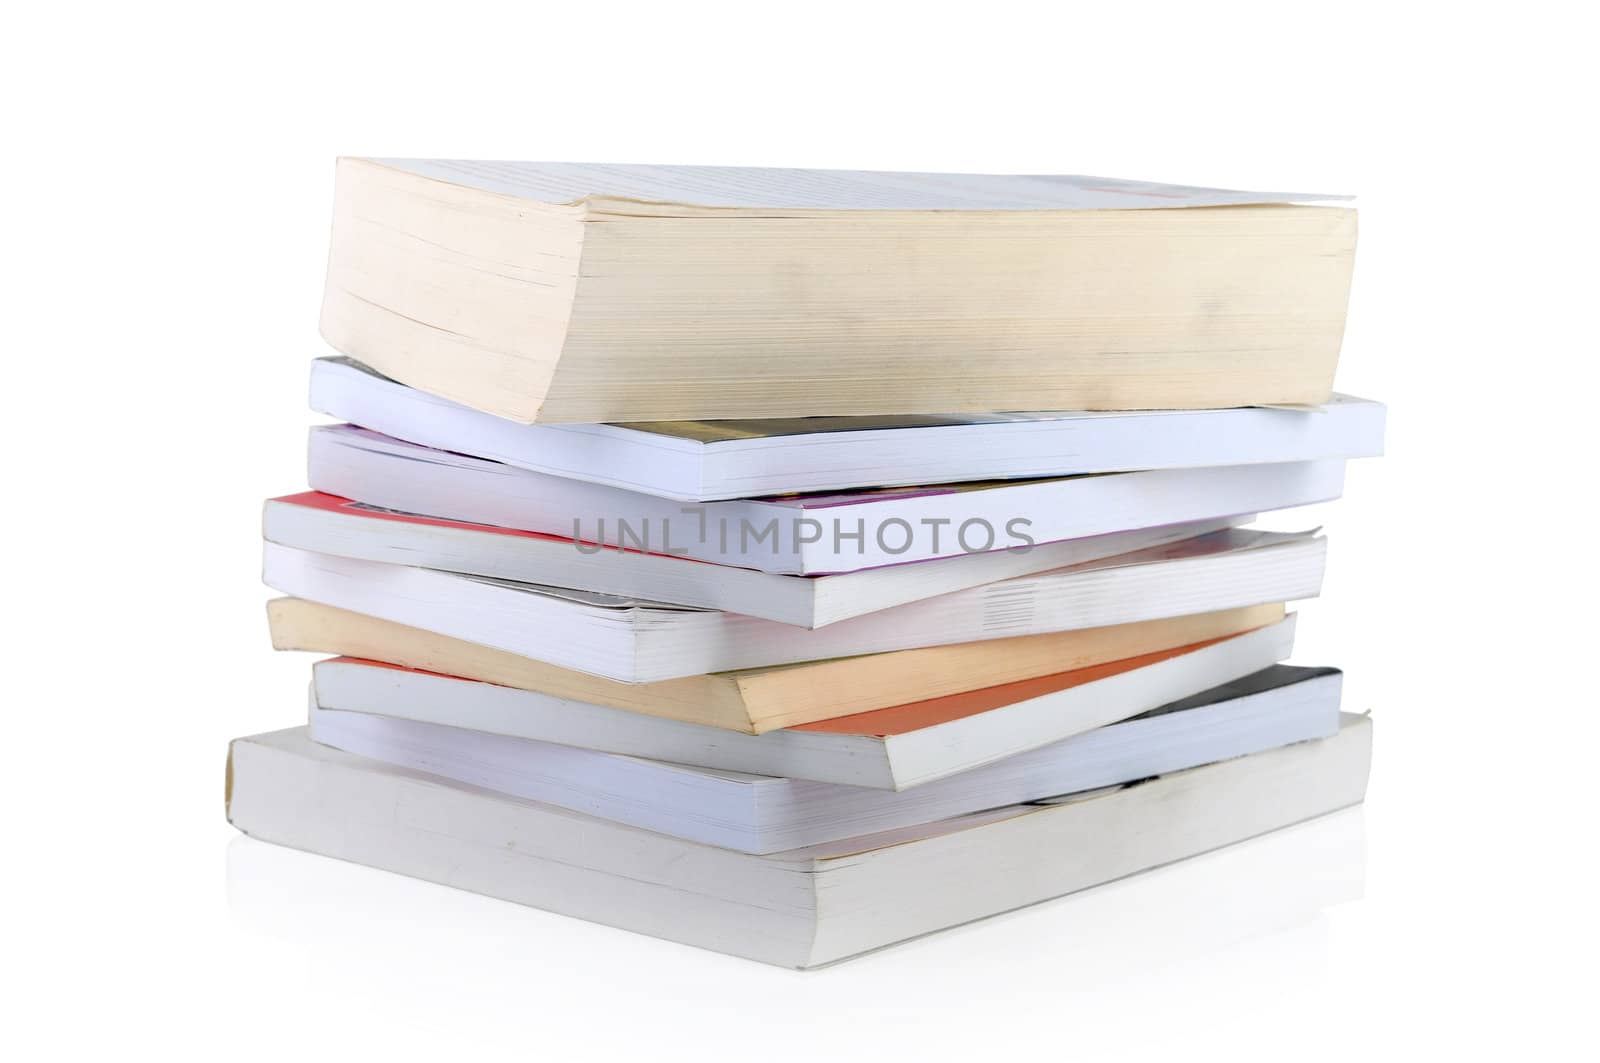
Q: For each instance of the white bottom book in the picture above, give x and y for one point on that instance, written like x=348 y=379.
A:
x=801 y=908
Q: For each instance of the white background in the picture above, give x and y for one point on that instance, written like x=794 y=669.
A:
x=167 y=200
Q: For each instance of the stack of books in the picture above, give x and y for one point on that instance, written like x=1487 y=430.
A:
x=686 y=564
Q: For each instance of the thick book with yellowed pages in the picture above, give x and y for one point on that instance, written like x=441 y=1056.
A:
x=759 y=699
x=562 y=292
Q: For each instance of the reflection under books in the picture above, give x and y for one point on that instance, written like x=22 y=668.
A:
x=399 y=937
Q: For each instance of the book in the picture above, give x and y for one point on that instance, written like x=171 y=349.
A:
x=892 y=748
x=801 y=908
x=560 y=292
x=767 y=814
x=707 y=461
x=636 y=641
x=327 y=524
x=1186 y=914
x=756 y=700
x=803 y=534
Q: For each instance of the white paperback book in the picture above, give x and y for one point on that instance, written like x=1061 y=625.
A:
x=705 y=461
x=803 y=534
x=801 y=908
x=766 y=814
x=894 y=748
x=327 y=524
x=639 y=642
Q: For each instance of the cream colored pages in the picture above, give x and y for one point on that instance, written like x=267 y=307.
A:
x=751 y=187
